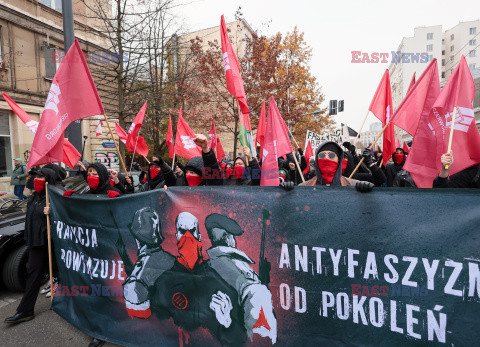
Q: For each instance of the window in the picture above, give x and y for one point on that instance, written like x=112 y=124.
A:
x=443 y=74
x=443 y=62
x=443 y=41
x=471 y=53
x=5 y=149
x=473 y=31
x=472 y=42
x=53 y=4
x=452 y=48
x=451 y=59
x=452 y=37
x=471 y=66
x=52 y=61
x=429 y=48
x=443 y=52
x=429 y=36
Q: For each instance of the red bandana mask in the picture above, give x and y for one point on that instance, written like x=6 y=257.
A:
x=93 y=182
x=38 y=185
x=154 y=171
x=190 y=250
x=193 y=180
x=398 y=157
x=229 y=172
x=239 y=170
x=328 y=168
x=112 y=182
x=344 y=165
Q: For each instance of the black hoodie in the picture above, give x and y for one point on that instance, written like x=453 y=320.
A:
x=104 y=186
x=393 y=168
x=60 y=173
x=165 y=177
x=251 y=176
x=338 y=174
x=36 y=222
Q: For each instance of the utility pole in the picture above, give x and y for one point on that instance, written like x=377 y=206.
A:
x=74 y=130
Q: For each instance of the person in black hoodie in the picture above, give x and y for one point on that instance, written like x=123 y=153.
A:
x=98 y=181
x=371 y=172
x=328 y=169
x=468 y=178
x=159 y=175
x=244 y=175
x=36 y=240
x=392 y=169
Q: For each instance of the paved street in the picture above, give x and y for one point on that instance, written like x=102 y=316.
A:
x=47 y=329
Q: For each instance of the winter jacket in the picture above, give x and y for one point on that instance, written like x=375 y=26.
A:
x=468 y=178
x=60 y=173
x=165 y=177
x=20 y=170
x=36 y=221
x=212 y=173
x=251 y=176
x=393 y=168
x=104 y=186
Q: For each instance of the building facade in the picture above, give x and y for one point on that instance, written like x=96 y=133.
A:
x=367 y=137
x=31 y=46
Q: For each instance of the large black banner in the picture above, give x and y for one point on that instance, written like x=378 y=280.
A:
x=250 y=265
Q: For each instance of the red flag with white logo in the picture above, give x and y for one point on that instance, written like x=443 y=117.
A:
x=276 y=145
x=98 y=131
x=122 y=135
x=169 y=139
x=215 y=143
x=184 y=145
x=70 y=153
x=72 y=96
x=432 y=136
x=134 y=129
x=381 y=107
x=232 y=69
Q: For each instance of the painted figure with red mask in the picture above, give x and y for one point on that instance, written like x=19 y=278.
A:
x=194 y=294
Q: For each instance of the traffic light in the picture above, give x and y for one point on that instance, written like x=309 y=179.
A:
x=333 y=107
x=340 y=105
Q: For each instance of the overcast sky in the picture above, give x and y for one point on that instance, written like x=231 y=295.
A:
x=335 y=28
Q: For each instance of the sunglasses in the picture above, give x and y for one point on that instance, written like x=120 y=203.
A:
x=323 y=155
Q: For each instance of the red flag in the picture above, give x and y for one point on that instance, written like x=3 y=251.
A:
x=397 y=143
x=122 y=135
x=184 y=145
x=215 y=142
x=141 y=146
x=72 y=96
x=412 y=82
x=405 y=147
x=98 y=131
x=381 y=107
x=135 y=129
x=232 y=69
x=70 y=153
x=308 y=154
x=169 y=139
x=276 y=145
x=260 y=136
x=432 y=136
x=419 y=100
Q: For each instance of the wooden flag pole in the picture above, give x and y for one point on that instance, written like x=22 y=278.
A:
x=294 y=138
x=298 y=167
x=116 y=146
x=148 y=161
x=173 y=161
x=242 y=127
x=49 y=240
x=371 y=146
x=361 y=127
x=450 y=140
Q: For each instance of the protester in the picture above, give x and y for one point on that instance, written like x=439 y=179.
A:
x=159 y=175
x=392 y=169
x=370 y=172
x=468 y=178
x=311 y=169
x=135 y=165
x=293 y=175
x=19 y=178
x=242 y=174
x=98 y=181
x=36 y=241
x=60 y=173
x=328 y=169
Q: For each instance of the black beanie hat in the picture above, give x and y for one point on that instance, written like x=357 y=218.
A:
x=331 y=147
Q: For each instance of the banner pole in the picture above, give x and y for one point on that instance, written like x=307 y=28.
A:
x=242 y=127
x=49 y=240
x=452 y=128
x=371 y=146
x=294 y=138
x=361 y=127
x=298 y=167
x=116 y=146
x=173 y=161
x=148 y=161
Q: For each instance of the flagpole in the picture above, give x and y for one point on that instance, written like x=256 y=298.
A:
x=173 y=161
x=148 y=161
x=49 y=240
x=361 y=127
x=133 y=156
x=295 y=157
x=371 y=146
x=116 y=146
x=452 y=128
x=293 y=138
x=242 y=126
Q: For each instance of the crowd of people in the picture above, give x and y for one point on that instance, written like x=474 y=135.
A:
x=330 y=166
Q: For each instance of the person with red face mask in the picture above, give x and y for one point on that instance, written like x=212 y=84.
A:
x=328 y=168
x=392 y=169
x=36 y=240
x=98 y=181
x=242 y=174
x=159 y=175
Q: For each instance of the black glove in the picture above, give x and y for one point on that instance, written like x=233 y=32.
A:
x=352 y=150
x=367 y=154
x=347 y=145
x=159 y=160
x=364 y=186
x=300 y=151
x=287 y=185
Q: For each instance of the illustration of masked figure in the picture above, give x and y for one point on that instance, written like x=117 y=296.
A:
x=193 y=294
x=233 y=266
x=151 y=263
